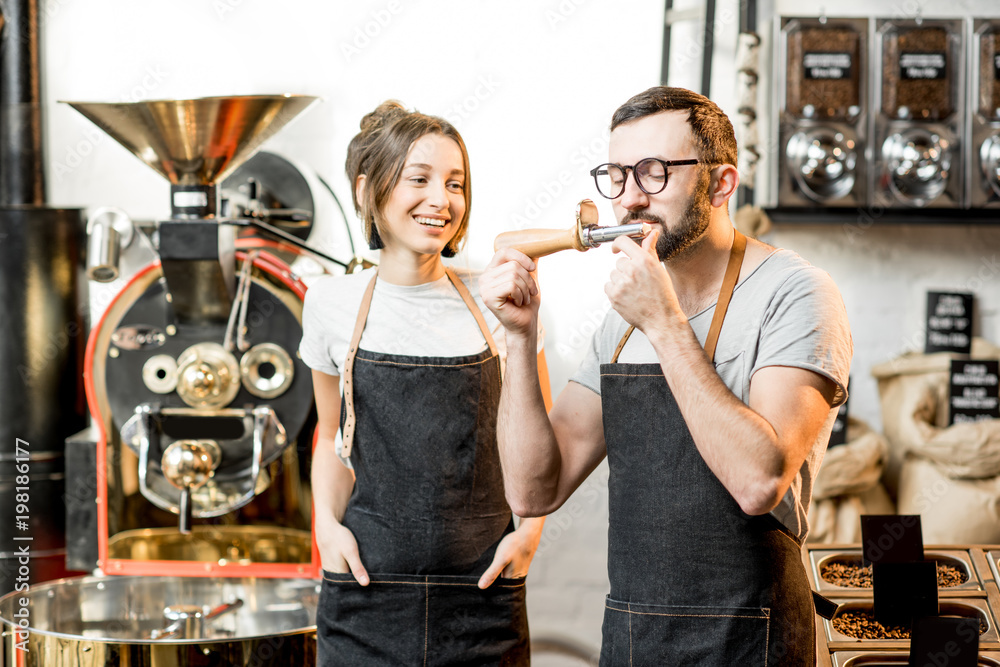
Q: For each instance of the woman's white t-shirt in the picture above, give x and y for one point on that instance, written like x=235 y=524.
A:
x=428 y=320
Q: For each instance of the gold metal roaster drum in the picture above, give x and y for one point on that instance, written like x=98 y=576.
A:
x=160 y=622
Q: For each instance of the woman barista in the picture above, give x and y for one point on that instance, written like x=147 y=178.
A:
x=422 y=563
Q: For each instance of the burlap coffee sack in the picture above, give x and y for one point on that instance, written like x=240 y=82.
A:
x=914 y=394
x=952 y=511
x=848 y=486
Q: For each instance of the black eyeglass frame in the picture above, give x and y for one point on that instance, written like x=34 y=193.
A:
x=627 y=167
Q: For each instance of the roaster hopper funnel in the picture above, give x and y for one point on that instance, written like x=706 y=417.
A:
x=197 y=141
x=194 y=143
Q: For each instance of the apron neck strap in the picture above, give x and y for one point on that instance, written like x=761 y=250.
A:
x=347 y=435
x=722 y=304
x=347 y=438
x=473 y=308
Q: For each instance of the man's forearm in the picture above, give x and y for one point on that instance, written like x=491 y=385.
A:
x=529 y=454
x=737 y=444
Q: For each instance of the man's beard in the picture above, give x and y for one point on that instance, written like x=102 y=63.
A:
x=693 y=223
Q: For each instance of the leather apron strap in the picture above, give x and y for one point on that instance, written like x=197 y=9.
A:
x=347 y=438
x=722 y=304
x=470 y=303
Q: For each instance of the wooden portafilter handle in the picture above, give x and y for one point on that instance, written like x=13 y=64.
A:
x=583 y=236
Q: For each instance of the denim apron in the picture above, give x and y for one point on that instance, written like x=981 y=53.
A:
x=694 y=580
x=427 y=510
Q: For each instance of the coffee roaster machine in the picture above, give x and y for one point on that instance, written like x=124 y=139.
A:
x=887 y=113
x=191 y=492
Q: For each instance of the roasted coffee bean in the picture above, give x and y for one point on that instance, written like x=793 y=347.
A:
x=862 y=625
x=829 y=95
x=853 y=575
x=924 y=97
x=989 y=67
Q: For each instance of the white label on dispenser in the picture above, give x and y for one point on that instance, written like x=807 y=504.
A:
x=190 y=199
x=827 y=65
x=923 y=65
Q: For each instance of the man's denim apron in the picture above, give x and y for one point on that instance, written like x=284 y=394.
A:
x=694 y=580
x=427 y=510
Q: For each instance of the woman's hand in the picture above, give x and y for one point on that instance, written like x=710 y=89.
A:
x=338 y=551
x=514 y=553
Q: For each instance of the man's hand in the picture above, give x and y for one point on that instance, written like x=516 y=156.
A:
x=509 y=290
x=639 y=288
x=339 y=552
x=514 y=553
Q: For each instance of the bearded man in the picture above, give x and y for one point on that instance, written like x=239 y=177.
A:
x=711 y=387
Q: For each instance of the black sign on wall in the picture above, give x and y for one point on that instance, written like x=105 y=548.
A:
x=973 y=390
x=949 y=322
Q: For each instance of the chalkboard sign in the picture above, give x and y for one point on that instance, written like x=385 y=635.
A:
x=949 y=322
x=973 y=390
x=891 y=538
x=941 y=640
x=838 y=436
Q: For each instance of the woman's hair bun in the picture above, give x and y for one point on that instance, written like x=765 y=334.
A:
x=383 y=115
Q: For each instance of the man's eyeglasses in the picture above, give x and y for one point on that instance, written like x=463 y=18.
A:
x=650 y=175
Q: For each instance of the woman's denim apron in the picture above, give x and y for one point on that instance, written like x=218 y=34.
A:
x=427 y=510
x=694 y=580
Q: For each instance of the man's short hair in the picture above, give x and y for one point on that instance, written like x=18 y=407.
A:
x=716 y=141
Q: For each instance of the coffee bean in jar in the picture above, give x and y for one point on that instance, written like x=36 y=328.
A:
x=917 y=73
x=862 y=625
x=852 y=574
x=823 y=73
x=989 y=73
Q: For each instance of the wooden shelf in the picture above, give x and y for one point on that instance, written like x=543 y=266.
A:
x=871 y=216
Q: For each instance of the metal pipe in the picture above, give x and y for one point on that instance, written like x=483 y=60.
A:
x=748 y=23
x=595 y=236
x=42 y=338
x=748 y=16
x=22 y=175
x=709 y=49
x=665 y=58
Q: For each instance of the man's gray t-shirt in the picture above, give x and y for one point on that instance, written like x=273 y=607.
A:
x=785 y=313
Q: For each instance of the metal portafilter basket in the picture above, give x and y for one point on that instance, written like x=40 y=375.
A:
x=583 y=236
